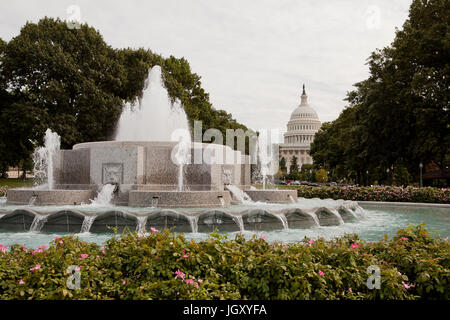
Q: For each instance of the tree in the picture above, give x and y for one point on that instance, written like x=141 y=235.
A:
x=399 y=116
x=73 y=82
x=321 y=175
x=293 y=168
x=282 y=166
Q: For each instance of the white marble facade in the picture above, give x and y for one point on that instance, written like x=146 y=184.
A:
x=301 y=128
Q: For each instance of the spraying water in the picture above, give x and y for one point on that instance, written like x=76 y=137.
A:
x=267 y=158
x=181 y=155
x=43 y=159
x=156 y=117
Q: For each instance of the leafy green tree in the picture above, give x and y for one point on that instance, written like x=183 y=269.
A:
x=293 y=168
x=321 y=175
x=399 y=116
x=282 y=165
x=73 y=82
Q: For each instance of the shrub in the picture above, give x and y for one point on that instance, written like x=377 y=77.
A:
x=377 y=193
x=167 y=266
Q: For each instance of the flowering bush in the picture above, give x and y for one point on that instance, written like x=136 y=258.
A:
x=413 y=265
x=396 y=194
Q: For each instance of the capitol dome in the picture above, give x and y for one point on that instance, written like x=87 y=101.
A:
x=301 y=129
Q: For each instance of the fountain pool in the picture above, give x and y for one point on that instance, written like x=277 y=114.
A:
x=371 y=224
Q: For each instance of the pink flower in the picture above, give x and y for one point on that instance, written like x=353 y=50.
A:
x=407 y=286
x=84 y=255
x=154 y=229
x=446 y=239
x=124 y=282
x=103 y=251
x=179 y=274
x=321 y=273
x=37 y=267
x=263 y=236
x=42 y=246
x=3 y=249
x=36 y=251
x=185 y=255
x=61 y=242
x=21 y=282
x=403 y=238
x=311 y=241
x=350 y=289
x=355 y=245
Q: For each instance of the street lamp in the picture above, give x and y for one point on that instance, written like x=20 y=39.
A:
x=392 y=175
x=387 y=175
x=421 y=183
x=367 y=178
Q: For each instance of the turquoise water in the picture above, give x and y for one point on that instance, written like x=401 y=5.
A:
x=376 y=223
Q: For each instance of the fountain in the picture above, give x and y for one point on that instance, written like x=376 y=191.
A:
x=43 y=158
x=146 y=178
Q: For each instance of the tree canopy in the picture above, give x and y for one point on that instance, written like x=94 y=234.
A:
x=73 y=82
x=399 y=116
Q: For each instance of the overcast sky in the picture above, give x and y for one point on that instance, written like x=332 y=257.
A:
x=253 y=56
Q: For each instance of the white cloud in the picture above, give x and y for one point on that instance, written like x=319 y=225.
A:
x=253 y=56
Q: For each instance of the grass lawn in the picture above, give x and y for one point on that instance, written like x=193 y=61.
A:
x=16 y=183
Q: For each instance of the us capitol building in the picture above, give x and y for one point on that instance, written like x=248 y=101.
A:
x=301 y=128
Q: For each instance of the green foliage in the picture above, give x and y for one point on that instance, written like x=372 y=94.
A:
x=398 y=116
x=293 y=167
x=321 y=175
x=167 y=266
x=73 y=82
x=376 y=193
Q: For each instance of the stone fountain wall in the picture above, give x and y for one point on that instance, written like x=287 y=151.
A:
x=141 y=167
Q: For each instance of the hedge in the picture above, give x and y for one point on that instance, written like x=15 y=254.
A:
x=414 y=265
x=396 y=194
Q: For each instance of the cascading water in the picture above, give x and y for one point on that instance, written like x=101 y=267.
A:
x=291 y=198
x=141 y=222
x=32 y=200
x=43 y=159
x=283 y=220
x=316 y=220
x=38 y=223
x=193 y=220
x=87 y=223
x=105 y=196
x=240 y=222
x=157 y=118
x=239 y=194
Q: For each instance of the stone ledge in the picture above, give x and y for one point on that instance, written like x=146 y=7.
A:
x=273 y=196
x=49 y=197
x=176 y=199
